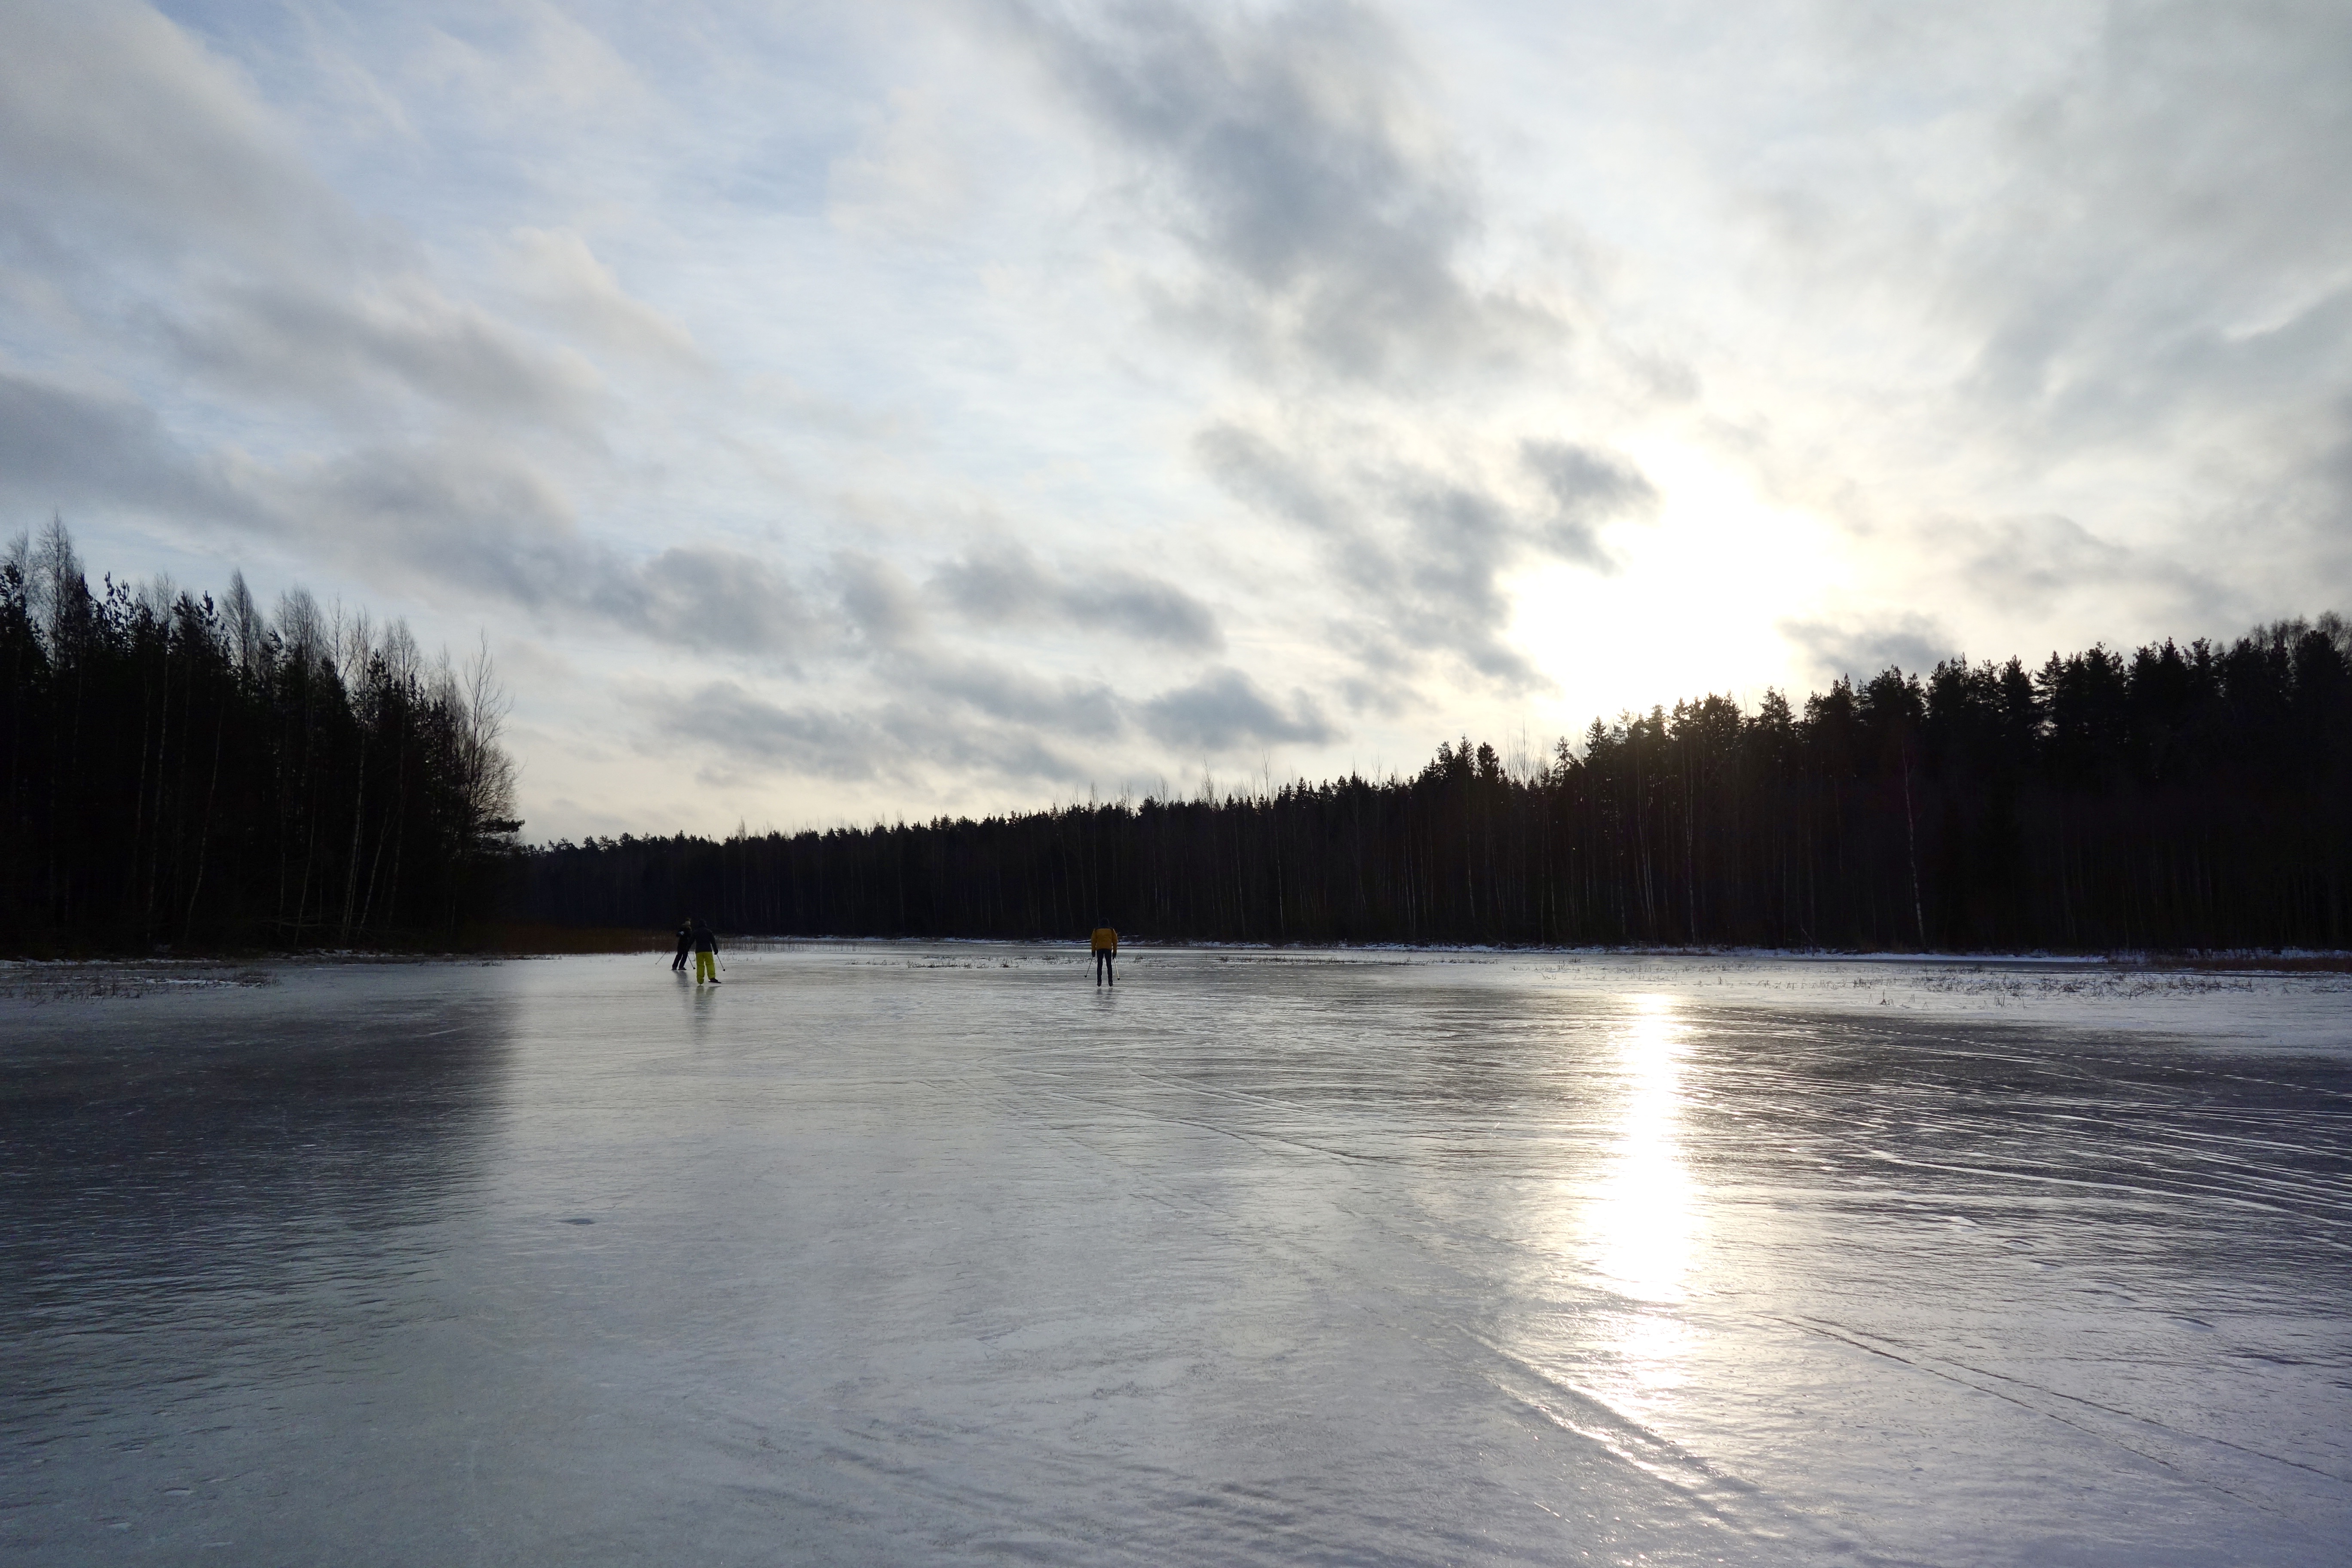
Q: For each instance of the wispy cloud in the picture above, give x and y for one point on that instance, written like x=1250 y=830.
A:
x=121 y=131
x=1289 y=151
x=737 y=736
x=1226 y=710
x=1423 y=553
x=1861 y=647
x=66 y=446
x=388 y=346
x=1004 y=583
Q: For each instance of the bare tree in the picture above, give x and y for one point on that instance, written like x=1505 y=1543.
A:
x=300 y=626
x=54 y=588
x=248 y=631
x=488 y=771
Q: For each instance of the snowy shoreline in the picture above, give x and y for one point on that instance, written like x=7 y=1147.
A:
x=2264 y=1001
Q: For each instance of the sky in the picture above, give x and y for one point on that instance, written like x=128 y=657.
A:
x=831 y=414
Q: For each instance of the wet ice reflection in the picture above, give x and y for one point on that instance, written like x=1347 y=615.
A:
x=1642 y=1223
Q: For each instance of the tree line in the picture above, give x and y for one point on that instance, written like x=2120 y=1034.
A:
x=181 y=771
x=2174 y=797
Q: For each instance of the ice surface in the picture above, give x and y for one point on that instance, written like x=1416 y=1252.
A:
x=905 y=1254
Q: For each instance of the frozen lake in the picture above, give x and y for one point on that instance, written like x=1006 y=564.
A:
x=903 y=1254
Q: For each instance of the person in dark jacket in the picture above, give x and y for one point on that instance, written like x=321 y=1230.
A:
x=706 y=954
x=685 y=943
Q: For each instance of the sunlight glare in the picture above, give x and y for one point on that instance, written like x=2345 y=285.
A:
x=1718 y=565
x=1641 y=1224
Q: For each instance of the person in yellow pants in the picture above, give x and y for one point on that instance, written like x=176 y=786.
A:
x=1106 y=949
x=706 y=954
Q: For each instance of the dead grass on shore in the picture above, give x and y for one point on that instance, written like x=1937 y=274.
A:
x=2256 y=963
x=531 y=939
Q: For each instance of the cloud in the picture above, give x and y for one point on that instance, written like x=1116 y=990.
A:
x=895 y=743
x=62 y=446
x=470 y=515
x=881 y=603
x=1425 y=552
x=2105 y=278
x=464 y=512
x=1449 y=597
x=2034 y=565
x=980 y=720
x=713 y=600
x=1419 y=555
x=1224 y=710
x=2141 y=254
x=118 y=127
x=359 y=348
x=558 y=272
x=1863 y=647
x=483 y=519
x=1588 y=489
x=1004 y=583
x=149 y=187
x=1288 y=153
x=914 y=176
x=1085 y=709
x=749 y=729
x=1250 y=469
x=533 y=64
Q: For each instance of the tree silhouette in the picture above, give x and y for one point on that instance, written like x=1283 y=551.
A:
x=177 y=770
x=2180 y=797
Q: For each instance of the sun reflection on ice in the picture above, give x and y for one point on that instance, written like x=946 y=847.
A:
x=1641 y=1224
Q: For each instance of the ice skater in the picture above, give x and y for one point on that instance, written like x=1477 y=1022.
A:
x=685 y=944
x=706 y=954
x=1106 y=950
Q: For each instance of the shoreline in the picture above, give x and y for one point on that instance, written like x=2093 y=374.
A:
x=2259 y=960
x=605 y=943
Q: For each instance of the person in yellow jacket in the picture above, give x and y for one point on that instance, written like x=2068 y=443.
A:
x=1106 y=949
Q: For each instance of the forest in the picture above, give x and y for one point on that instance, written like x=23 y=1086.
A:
x=2173 y=799
x=180 y=772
